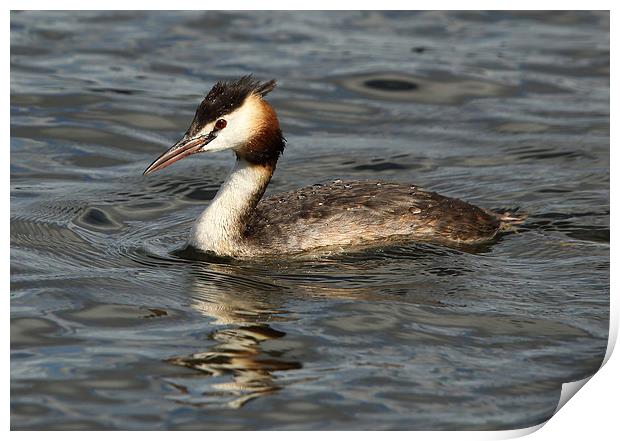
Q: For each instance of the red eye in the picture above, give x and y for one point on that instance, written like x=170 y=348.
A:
x=220 y=124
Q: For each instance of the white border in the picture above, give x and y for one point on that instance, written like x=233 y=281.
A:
x=589 y=416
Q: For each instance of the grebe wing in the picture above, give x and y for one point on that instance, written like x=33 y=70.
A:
x=356 y=212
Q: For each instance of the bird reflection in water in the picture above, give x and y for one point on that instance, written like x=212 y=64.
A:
x=239 y=354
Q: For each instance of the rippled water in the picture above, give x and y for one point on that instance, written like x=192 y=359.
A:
x=110 y=328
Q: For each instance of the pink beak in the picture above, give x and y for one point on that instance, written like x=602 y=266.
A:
x=180 y=150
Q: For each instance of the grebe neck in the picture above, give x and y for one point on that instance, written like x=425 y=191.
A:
x=223 y=222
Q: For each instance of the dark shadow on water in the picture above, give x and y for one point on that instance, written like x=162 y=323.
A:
x=193 y=254
x=405 y=249
x=433 y=87
x=390 y=85
x=96 y=219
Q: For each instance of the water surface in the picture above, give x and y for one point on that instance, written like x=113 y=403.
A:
x=111 y=329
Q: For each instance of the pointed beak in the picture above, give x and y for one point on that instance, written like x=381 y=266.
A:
x=182 y=149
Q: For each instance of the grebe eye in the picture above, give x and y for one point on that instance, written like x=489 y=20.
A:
x=220 y=124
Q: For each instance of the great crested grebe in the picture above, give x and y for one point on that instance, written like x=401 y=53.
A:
x=334 y=217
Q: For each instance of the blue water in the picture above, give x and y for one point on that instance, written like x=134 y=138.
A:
x=110 y=329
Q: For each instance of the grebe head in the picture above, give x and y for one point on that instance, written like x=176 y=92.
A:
x=234 y=116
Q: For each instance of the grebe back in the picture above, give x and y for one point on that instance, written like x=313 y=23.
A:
x=334 y=217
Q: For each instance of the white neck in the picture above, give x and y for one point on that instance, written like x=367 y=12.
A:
x=221 y=225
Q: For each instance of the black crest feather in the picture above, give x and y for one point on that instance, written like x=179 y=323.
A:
x=226 y=96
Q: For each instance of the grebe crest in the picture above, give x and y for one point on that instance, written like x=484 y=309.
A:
x=233 y=116
x=333 y=217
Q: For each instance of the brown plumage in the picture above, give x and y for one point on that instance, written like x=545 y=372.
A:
x=266 y=143
x=346 y=215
